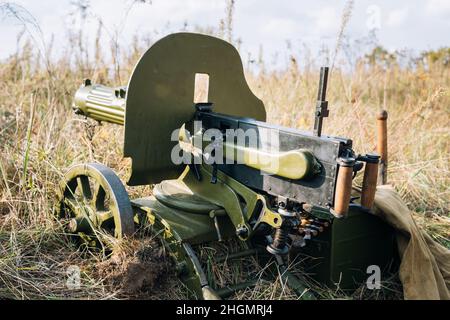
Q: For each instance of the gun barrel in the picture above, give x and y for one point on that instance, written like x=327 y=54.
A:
x=100 y=102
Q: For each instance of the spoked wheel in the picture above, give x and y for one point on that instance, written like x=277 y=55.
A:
x=94 y=204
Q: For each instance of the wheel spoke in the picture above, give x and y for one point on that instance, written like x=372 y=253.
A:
x=83 y=183
x=77 y=208
x=94 y=200
x=103 y=216
x=70 y=188
x=71 y=204
x=99 y=197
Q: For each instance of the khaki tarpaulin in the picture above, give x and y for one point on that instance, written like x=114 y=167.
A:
x=425 y=264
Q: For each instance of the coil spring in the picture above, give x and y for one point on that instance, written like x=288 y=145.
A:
x=280 y=238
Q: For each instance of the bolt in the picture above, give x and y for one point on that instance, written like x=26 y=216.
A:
x=242 y=232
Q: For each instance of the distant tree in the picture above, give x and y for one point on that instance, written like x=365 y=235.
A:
x=379 y=56
x=436 y=57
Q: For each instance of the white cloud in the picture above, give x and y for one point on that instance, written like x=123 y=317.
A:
x=281 y=28
x=326 y=19
x=440 y=8
x=397 y=17
x=268 y=23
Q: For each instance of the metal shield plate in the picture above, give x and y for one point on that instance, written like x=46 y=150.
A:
x=161 y=93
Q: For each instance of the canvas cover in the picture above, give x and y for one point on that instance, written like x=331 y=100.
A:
x=425 y=264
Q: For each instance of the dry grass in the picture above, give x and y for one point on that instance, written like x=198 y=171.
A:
x=40 y=137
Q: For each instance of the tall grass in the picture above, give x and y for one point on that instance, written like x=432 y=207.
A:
x=40 y=137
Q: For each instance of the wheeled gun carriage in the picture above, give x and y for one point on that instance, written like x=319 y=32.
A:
x=221 y=173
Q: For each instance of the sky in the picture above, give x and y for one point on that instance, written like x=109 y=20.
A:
x=269 y=24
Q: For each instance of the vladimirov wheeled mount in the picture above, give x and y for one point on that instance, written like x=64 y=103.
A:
x=281 y=201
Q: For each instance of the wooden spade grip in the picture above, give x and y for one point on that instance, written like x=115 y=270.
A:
x=382 y=145
x=369 y=184
x=343 y=188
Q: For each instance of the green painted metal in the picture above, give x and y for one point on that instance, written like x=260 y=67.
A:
x=100 y=102
x=240 y=203
x=179 y=230
x=186 y=209
x=294 y=164
x=160 y=98
x=178 y=240
x=93 y=201
x=190 y=227
x=176 y=194
x=177 y=224
x=227 y=193
x=342 y=253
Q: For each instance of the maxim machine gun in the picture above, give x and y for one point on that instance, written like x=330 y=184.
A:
x=195 y=130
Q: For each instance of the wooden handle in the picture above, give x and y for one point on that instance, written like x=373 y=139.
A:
x=382 y=148
x=369 y=184
x=343 y=188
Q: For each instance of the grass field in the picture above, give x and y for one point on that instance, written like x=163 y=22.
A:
x=40 y=138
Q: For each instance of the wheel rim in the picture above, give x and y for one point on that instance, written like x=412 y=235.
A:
x=94 y=202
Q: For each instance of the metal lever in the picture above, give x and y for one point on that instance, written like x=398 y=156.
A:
x=321 y=105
